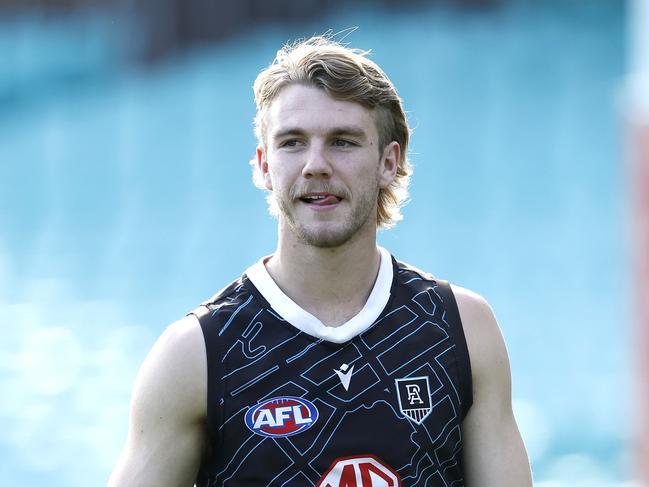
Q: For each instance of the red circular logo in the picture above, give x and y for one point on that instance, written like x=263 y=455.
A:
x=359 y=471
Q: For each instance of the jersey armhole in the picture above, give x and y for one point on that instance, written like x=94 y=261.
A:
x=456 y=331
x=212 y=342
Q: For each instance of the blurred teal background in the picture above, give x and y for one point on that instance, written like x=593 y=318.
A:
x=126 y=199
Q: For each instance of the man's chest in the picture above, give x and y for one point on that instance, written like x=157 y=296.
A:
x=295 y=404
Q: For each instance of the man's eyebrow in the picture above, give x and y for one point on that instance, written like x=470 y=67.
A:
x=336 y=131
x=350 y=130
x=286 y=132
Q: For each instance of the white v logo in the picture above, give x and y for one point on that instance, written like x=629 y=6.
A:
x=345 y=375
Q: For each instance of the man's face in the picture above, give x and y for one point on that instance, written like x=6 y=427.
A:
x=323 y=163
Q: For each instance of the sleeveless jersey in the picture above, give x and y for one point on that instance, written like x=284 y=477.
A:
x=378 y=401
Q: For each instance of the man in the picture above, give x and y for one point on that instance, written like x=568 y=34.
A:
x=328 y=363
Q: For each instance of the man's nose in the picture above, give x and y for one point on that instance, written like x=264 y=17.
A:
x=316 y=164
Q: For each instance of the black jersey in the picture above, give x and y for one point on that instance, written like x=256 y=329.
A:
x=378 y=401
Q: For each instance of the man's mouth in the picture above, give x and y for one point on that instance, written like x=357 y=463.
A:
x=320 y=199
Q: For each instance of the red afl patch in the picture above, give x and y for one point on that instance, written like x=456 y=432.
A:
x=359 y=471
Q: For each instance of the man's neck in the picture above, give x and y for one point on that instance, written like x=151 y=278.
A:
x=331 y=284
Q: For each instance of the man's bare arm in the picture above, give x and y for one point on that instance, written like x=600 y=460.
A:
x=494 y=453
x=166 y=425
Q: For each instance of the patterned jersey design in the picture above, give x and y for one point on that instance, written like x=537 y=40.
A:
x=255 y=356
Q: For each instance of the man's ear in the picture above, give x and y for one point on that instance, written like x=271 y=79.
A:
x=262 y=165
x=389 y=164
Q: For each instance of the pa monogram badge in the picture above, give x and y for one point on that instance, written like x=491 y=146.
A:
x=414 y=398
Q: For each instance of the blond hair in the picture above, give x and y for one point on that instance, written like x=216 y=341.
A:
x=345 y=74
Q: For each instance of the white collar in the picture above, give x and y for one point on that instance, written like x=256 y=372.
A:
x=306 y=322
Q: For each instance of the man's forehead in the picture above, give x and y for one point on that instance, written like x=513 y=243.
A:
x=301 y=97
x=306 y=107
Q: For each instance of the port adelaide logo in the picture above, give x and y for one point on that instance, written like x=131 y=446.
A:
x=281 y=416
x=414 y=398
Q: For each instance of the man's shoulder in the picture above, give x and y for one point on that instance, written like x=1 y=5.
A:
x=470 y=300
x=483 y=335
x=405 y=268
x=236 y=300
x=175 y=362
x=228 y=293
x=476 y=314
x=466 y=298
x=180 y=336
x=228 y=296
x=181 y=340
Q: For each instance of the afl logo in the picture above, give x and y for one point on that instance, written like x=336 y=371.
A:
x=281 y=416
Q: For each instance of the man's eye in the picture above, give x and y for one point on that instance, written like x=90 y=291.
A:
x=290 y=143
x=343 y=143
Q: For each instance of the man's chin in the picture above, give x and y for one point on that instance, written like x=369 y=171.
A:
x=325 y=238
x=325 y=241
